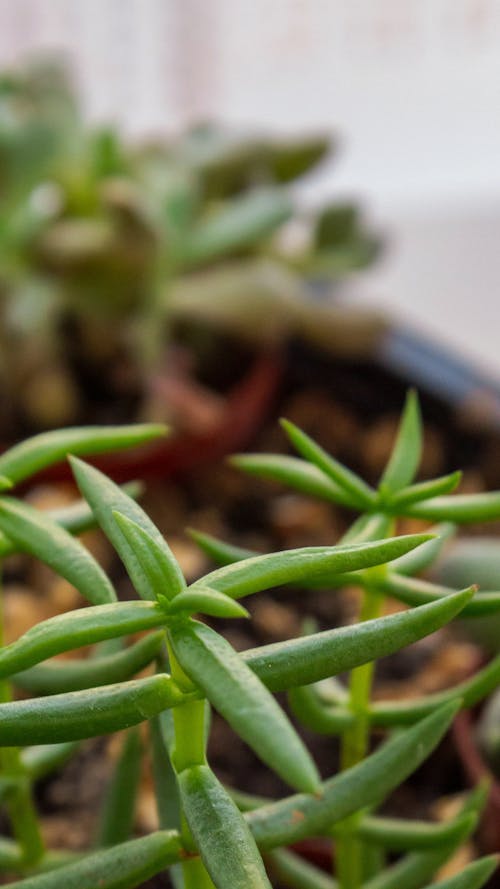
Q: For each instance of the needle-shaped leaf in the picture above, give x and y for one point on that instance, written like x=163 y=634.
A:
x=416 y=868
x=355 y=487
x=75 y=518
x=86 y=714
x=40 y=760
x=105 y=499
x=296 y=872
x=372 y=526
x=154 y=559
x=460 y=508
x=295 y=473
x=366 y=784
x=206 y=601
x=418 y=560
x=34 y=454
x=414 y=591
x=124 y=867
x=80 y=673
x=405 y=457
x=401 y=835
x=295 y=565
x=244 y=222
x=226 y=844
x=236 y=692
x=74 y=629
x=34 y=532
x=117 y=815
x=222 y=553
x=473 y=876
x=424 y=491
x=307 y=659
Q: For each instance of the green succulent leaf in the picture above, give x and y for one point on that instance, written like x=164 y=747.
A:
x=222 y=553
x=400 y=836
x=295 y=473
x=355 y=487
x=35 y=454
x=296 y=872
x=34 y=532
x=86 y=714
x=156 y=561
x=418 y=560
x=117 y=816
x=74 y=629
x=225 y=842
x=406 y=453
x=414 y=591
x=123 y=867
x=366 y=784
x=295 y=565
x=424 y=491
x=473 y=876
x=416 y=868
x=242 y=224
x=460 y=508
x=236 y=692
x=296 y=662
x=106 y=499
x=79 y=673
x=373 y=526
x=40 y=760
x=206 y=601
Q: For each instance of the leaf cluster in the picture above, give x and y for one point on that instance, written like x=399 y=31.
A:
x=209 y=834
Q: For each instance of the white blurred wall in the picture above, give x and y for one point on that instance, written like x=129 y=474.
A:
x=412 y=86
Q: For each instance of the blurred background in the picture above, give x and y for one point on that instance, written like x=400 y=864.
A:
x=409 y=91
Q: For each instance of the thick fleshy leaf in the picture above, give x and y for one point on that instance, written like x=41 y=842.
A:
x=34 y=532
x=41 y=760
x=74 y=629
x=156 y=561
x=117 y=815
x=413 y=591
x=405 y=457
x=416 y=868
x=366 y=784
x=75 y=518
x=86 y=714
x=424 y=491
x=226 y=844
x=399 y=835
x=222 y=553
x=236 y=692
x=244 y=222
x=105 y=498
x=294 y=871
x=418 y=560
x=79 y=673
x=307 y=659
x=460 y=508
x=124 y=867
x=332 y=716
x=351 y=483
x=295 y=473
x=372 y=526
x=34 y=454
x=295 y=565
x=206 y=601
x=473 y=876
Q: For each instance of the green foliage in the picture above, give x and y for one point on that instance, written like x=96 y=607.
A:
x=211 y=836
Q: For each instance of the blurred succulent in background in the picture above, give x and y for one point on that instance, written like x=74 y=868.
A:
x=104 y=245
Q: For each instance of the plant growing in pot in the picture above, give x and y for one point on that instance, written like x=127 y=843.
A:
x=111 y=254
x=210 y=835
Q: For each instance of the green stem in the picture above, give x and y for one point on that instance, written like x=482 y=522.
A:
x=190 y=750
x=354 y=748
x=20 y=805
